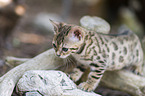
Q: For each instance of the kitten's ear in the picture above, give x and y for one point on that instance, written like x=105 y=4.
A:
x=78 y=34
x=55 y=25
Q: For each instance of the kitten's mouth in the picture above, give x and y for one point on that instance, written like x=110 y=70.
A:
x=62 y=56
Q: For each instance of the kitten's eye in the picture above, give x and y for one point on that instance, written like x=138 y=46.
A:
x=54 y=45
x=64 y=49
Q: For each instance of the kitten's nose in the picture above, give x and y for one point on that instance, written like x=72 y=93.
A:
x=58 y=53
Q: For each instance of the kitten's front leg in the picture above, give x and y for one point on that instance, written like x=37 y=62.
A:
x=77 y=72
x=94 y=77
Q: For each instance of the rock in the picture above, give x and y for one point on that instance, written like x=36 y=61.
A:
x=95 y=23
x=143 y=45
x=143 y=40
x=1 y=62
x=33 y=94
x=49 y=83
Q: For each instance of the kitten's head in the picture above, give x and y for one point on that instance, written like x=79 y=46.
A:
x=67 y=38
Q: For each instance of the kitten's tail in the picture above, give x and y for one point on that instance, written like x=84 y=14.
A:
x=124 y=30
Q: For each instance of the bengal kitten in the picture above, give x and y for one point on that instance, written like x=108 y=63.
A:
x=98 y=51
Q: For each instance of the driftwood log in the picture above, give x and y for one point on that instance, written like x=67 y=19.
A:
x=122 y=80
x=46 y=60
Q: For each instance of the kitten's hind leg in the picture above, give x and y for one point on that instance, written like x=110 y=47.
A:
x=139 y=69
x=77 y=72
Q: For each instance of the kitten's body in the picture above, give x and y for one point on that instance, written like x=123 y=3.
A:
x=118 y=51
x=97 y=51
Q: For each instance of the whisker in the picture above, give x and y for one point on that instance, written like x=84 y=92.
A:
x=71 y=63
x=67 y=65
x=74 y=63
x=64 y=66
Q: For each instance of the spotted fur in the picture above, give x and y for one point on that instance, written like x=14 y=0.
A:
x=98 y=51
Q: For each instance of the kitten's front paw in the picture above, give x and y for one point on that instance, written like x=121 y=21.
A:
x=74 y=77
x=76 y=74
x=86 y=87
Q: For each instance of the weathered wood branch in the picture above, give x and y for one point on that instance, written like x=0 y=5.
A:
x=46 y=60
x=14 y=61
x=121 y=80
x=125 y=81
